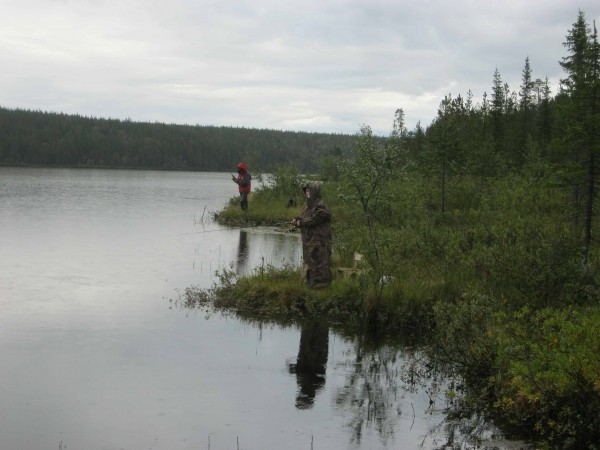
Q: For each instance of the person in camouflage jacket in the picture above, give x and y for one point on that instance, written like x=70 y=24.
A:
x=315 y=227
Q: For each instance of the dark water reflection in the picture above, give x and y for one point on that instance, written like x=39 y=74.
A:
x=310 y=366
x=242 y=253
x=94 y=358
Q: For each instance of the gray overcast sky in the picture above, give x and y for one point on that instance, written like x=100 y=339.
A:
x=310 y=65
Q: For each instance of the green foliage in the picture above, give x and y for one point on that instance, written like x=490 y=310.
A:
x=366 y=175
x=462 y=339
x=285 y=183
x=537 y=370
x=329 y=165
x=406 y=305
x=551 y=374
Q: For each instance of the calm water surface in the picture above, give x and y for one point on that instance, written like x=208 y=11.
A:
x=94 y=356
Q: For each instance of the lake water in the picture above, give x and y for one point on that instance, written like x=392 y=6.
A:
x=95 y=356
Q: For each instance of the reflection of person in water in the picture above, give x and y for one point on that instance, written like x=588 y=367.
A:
x=242 y=255
x=311 y=363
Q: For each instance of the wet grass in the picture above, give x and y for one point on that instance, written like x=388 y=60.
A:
x=259 y=212
x=279 y=294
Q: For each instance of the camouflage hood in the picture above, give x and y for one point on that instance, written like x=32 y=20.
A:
x=314 y=188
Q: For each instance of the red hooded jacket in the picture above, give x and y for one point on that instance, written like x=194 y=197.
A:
x=244 y=179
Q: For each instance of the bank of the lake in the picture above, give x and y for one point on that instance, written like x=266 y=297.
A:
x=497 y=292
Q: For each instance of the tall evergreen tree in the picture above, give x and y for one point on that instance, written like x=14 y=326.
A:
x=484 y=159
x=399 y=127
x=446 y=150
x=497 y=108
x=512 y=149
x=543 y=116
x=526 y=102
x=580 y=115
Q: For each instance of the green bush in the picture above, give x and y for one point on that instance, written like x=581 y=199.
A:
x=284 y=183
x=551 y=374
x=536 y=371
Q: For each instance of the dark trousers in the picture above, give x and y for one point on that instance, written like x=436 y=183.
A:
x=244 y=201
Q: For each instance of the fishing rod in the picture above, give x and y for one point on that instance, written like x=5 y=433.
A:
x=211 y=231
x=279 y=224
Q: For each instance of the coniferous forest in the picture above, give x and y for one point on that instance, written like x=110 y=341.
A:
x=33 y=138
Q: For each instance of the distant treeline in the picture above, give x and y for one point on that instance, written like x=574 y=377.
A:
x=34 y=138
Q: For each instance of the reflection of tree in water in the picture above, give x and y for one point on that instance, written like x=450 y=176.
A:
x=311 y=363
x=374 y=394
x=370 y=393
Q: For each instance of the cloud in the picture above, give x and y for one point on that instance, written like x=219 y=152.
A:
x=327 y=65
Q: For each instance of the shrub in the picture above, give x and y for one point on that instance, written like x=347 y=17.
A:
x=535 y=371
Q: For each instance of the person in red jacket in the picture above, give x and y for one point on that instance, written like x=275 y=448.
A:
x=244 y=183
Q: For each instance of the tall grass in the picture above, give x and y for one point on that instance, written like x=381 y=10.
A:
x=273 y=212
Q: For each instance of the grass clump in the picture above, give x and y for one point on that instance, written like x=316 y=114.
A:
x=259 y=212
x=279 y=293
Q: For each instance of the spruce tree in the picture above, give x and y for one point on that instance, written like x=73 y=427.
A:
x=580 y=110
x=526 y=102
x=497 y=108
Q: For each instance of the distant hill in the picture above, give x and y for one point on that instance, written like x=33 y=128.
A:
x=34 y=138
